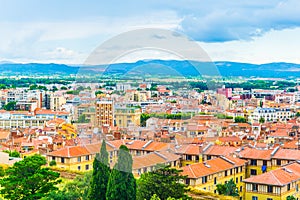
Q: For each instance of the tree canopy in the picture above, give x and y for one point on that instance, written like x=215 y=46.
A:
x=73 y=190
x=121 y=183
x=228 y=189
x=28 y=179
x=101 y=172
x=164 y=182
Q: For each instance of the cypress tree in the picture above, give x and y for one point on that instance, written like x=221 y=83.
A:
x=101 y=173
x=122 y=184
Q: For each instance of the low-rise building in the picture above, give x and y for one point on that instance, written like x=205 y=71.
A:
x=207 y=175
x=277 y=184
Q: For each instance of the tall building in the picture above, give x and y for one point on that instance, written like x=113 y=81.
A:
x=104 y=112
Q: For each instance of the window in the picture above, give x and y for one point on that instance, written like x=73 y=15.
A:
x=241 y=188
x=62 y=160
x=269 y=199
x=79 y=159
x=270 y=189
x=253 y=172
x=225 y=173
x=87 y=167
x=236 y=180
x=241 y=178
x=230 y=171
x=78 y=168
x=253 y=162
x=53 y=157
x=254 y=198
x=208 y=157
x=254 y=187
x=278 y=162
x=204 y=179
x=215 y=180
x=265 y=163
x=289 y=187
x=87 y=157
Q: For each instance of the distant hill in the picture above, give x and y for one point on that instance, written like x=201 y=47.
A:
x=159 y=67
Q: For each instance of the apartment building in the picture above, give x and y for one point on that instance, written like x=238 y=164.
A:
x=207 y=175
x=104 y=112
x=124 y=116
x=277 y=184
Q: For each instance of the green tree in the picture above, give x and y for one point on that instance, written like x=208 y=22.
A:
x=63 y=88
x=2 y=171
x=290 y=197
x=298 y=114
x=98 y=92
x=155 y=197
x=82 y=119
x=121 y=183
x=10 y=106
x=13 y=153
x=262 y=120
x=73 y=190
x=52 y=163
x=228 y=189
x=239 y=119
x=101 y=172
x=28 y=179
x=164 y=182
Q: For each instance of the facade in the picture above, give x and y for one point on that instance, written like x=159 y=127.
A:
x=125 y=116
x=79 y=158
x=225 y=91
x=206 y=175
x=56 y=101
x=277 y=184
x=25 y=119
x=271 y=114
x=104 y=112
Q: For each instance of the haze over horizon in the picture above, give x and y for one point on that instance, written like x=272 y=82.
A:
x=68 y=31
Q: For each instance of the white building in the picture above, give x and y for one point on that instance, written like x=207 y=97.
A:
x=271 y=114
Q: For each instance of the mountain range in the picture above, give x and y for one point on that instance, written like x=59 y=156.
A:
x=159 y=67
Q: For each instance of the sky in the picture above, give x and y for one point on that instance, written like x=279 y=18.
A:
x=69 y=31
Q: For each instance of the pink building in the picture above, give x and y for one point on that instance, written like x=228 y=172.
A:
x=225 y=91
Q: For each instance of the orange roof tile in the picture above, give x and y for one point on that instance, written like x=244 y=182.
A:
x=219 y=150
x=251 y=153
x=278 y=177
x=212 y=166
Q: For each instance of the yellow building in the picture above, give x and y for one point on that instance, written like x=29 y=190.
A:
x=79 y=158
x=135 y=95
x=190 y=153
x=259 y=160
x=104 y=112
x=205 y=176
x=277 y=184
x=127 y=115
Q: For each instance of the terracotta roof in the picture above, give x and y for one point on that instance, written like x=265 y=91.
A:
x=74 y=151
x=4 y=134
x=278 y=177
x=251 y=153
x=189 y=149
x=287 y=154
x=153 y=159
x=212 y=166
x=219 y=150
